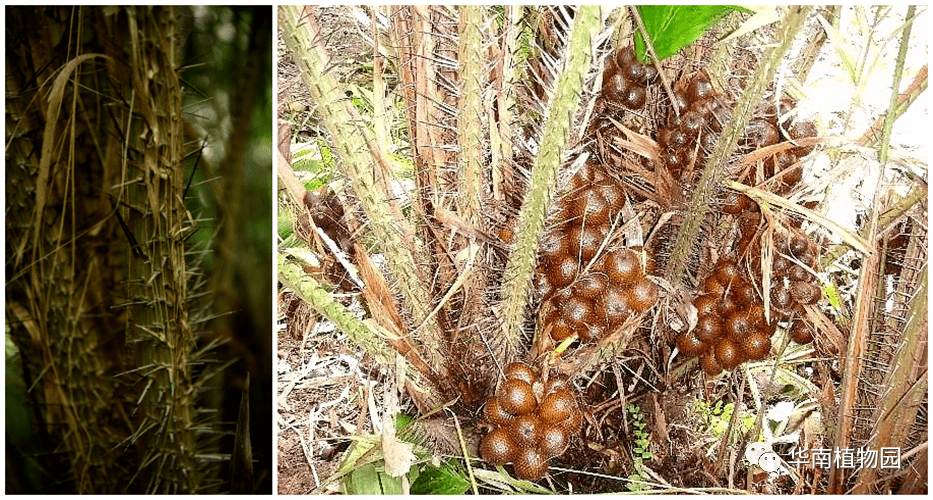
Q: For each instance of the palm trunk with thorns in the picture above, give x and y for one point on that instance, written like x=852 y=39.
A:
x=100 y=287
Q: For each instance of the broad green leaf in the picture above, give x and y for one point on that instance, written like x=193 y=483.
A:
x=673 y=27
x=442 y=480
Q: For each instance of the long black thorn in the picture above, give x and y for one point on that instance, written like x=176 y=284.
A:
x=201 y=150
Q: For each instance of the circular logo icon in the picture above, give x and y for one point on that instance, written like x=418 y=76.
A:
x=769 y=461
x=754 y=451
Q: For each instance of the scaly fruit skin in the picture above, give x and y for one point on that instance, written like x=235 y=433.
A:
x=709 y=364
x=531 y=464
x=498 y=447
x=756 y=346
x=520 y=371
x=554 y=441
x=517 y=397
x=557 y=406
x=494 y=413
x=690 y=345
x=728 y=354
x=527 y=430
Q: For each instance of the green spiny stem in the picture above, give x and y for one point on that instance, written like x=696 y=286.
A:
x=563 y=107
x=895 y=86
x=470 y=115
x=715 y=173
x=365 y=167
x=364 y=334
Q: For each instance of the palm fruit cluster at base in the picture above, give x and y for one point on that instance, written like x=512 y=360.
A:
x=615 y=288
x=731 y=326
x=533 y=421
x=793 y=285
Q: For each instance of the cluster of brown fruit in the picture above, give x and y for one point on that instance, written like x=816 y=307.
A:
x=701 y=118
x=625 y=86
x=764 y=131
x=731 y=326
x=793 y=283
x=614 y=286
x=625 y=79
x=533 y=421
x=585 y=215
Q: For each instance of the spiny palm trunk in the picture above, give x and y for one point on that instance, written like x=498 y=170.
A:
x=98 y=285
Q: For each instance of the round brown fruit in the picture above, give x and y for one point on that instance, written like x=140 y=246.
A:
x=798 y=273
x=674 y=158
x=625 y=56
x=735 y=203
x=737 y=326
x=708 y=329
x=676 y=139
x=543 y=286
x=756 y=346
x=781 y=297
x=700 y=87
x=801 y=332
x=614 y=86
x=781 y=265
x=805 y=293
x=561 y=330
x=517 y=397
x=557 y=406
x=690 y=346
x=634 y=72
x=643 y=295
x=526 y=430
x=802 y=130
x=591 y=205
x=494 y=413
x=693 y=122
x=616 y=305
x=756 y=315
x=531 y=464
x=727 y=271
x=520 y=371
x=574 y=422
x=563 y=271
x=634 y=96
x=745 y=294
x=498 y=447
x=591 y=286
x=728 y=354
x=709 y=364
x=577 y=310
x=706 y=304
x=554 y=441
x=711 y=285
x=622 y=267
x=728 y=305
x=760 y=133
x=680 y=101
x=554 y=242
x=613 y=194
x=590 y=331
